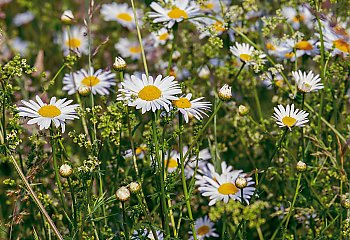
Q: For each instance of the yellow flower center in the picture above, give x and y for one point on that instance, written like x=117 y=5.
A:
x=150 y=93
x=139 y=150
x=201 y=231
x=90 y=81
x=73 y=43
x=218 y=26
x=125 y=17
x=270 y=46
x=245 y=57
x=298 y=18
x=289 y=121
x=163 y=36
x=340 y=30
x=228 y=188
x=342 y=45
x=176 y=13
x=135 y=49
x=279 y=83
x=289 y=55
x=171 y=163
x=182 y=103
x=207 y=6
x=304 y=45
x=49 y=111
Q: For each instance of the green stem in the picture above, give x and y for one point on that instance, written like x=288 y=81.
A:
x=292 y=206
x=144 y=60
x=170 y=61
x=165 y=220
x=34 y=197
x=183 y=179
x=73 y=204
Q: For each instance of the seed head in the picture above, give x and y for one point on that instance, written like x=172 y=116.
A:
x=65 y=171
x=84 y=90
x=122 y=194
x=301 y=166
x=134 y=187
x=241 y=182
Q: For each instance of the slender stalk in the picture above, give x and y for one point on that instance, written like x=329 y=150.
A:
x=239 y=71
x=74 y=208
x=322 y=72
x=257 y=102
x=170 y=61
x=277 y=148
x=224 y=224
x=34 y=197
x=302 y=131
x=292 y=206
x=125 y=226
x=165 y=220
x=144 y=60
x=183 y=179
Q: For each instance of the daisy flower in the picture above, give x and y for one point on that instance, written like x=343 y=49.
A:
x=209 y=171
x=121 y=13
x=245 y=53
x=194 y=107
x=209 y=6
x=23 y=18
x=223 y=188
x=171 y=160
x=139 y=151
x=336 y=42
x=128 y=48
x=99 y=82
x=203 y=156
x=307 y=82
x=75 y=41
x=288 y=117
x=180 y=10
x=43 y=114
x=148 y=93
x=161 y=37
x=296 y=17
x=20 y=46
x=204 y=228
x=146 y=233
x=210 y=26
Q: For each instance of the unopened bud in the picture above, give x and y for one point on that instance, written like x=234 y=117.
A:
x=243 y=110
x=67 y=17
x=84 y=90
x=301 y=166
x=204 y=73
x=241 y=182
x=176 y=55
x=122 y=194
x=225 y=93
x=134 y=187
x=65 y=170
x=119 y=64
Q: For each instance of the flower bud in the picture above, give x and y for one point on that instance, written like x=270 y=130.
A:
x=84 y=90
x=122 y=194
x=67 y=17
x=65 y=170
x=301 y=166
x=204 y=73
x=241 y=182
x=243 y=110
x=176 y=55
x=225 y=93
x=134 y=187
x=119 y=64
